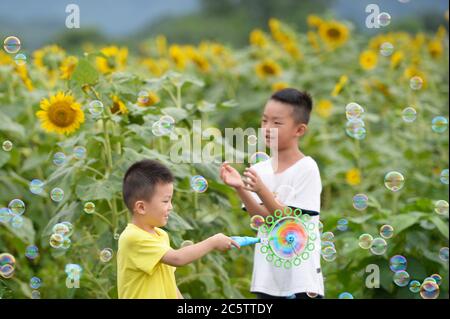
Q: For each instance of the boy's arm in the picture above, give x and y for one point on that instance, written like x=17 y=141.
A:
x=188 y=254
x=251 y=205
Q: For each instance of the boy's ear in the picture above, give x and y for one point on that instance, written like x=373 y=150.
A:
x=301 y=129
x=139 y=207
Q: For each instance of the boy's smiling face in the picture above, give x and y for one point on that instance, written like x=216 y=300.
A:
x=278 y=115
x=155 y=211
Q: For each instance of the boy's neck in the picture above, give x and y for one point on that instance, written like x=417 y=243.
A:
x=137 y=222
x=288 y=155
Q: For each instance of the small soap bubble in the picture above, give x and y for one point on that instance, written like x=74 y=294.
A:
x=17 y=221
x=59 y=158
x=409 y=115
x=329 y=253
x=252 y=140
x=7 y=259
x=386 y=49
x=429 y=290
x=386 y=231
x=17 y=206
x=443 y=254
x=106 y=255
x=360 y=201
x=401 y=278
x=384 y=19
x=258 y=157
x=353 y=111
x=441 y=207
x=56 y=240
x=199 y=184
x=61 y=229
x=397 y=263
x=394 y=181
x=327 y=236
x=20 y=59
x=365 y=241
x=35 y=283
x=256 y=221
x=437 y=278
x=32 y=252
x=439 y=124
x=444 y=176
x=345 y=295
x=5 y=215
x=35 y=294
x=95 y=107
x=416 y=83
x=342 y=224
x=116 y=236
x=186 y=243
x=89 y=208
x=70 y=227
x=414 y=286
x=7 y=271
x=355 y=128
x=57 y=194
x=143 y=97
x=36 y=186
x=379 y=246
x=79 y=152
x=11 y=44
x=7 y=146
x=166 y=125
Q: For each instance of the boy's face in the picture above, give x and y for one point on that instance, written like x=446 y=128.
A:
x=155 y=211
x=280 y=116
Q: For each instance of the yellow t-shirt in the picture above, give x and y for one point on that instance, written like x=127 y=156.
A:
x=140 y=272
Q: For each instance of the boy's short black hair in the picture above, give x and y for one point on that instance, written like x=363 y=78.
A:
x=140 y=180
x=300 y=101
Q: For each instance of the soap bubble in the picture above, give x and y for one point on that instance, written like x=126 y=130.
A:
x=57 y=194
x=443 y=254
x=106 y=255
x=96 y=107
x=56 y=240
x=345 y=295
x=11 y=44
x=17 y=221
x=17 y=206
x=66 y=243
x=5 y=215
x=360 y=201
x=441 y=207
x=342 y=224
x=256 y=221
x=70 y=227
x=386 y=49
x=437 y=278
x=384 y=19
x=59 y=158
x=258 y=157
x=61 y=229
x=416 y=83
x=143 y=97
x=409 y=115
x=252 y=140
x=386 y=231
x=312 y=294
x=36 y=186
x=353 y=111
x=7 y=259
x=116 y=236
x=379 y=246
x=365 y=241
x=35 y=283
x=429 y=290
x=401 y=278
x=439 y=124
x=7 y=146
x=327 y=236
x=35 y=294
x=444 y=176
x=329 y=253
x=166 y=125
x=79 y=152
x=199 y=184
x=7 y=271
x=186 y=243
x=397 y=263
x=89 y=208
x=394 y=181
x=32 y=252
x=20 y=59
x=355 y=128
x=414 y=286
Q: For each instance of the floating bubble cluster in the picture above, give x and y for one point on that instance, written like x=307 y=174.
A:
x=60 y=238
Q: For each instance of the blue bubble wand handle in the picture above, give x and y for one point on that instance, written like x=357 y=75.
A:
x=246 y=241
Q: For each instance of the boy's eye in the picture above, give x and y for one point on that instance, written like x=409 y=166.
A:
x=278 y=123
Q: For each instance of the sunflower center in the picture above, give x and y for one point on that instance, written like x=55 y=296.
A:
x=61 y=114
x=334 y=33
x=268 y=69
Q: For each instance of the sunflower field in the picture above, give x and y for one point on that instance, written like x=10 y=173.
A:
x=71 y=124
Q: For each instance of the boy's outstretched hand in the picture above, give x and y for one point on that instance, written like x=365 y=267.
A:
x=230 y=176
x=223 y=243
x=253 y=182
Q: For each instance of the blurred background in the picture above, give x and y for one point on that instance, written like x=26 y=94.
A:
x=190 y=21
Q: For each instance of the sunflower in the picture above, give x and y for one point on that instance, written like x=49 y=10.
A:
x=113 y=59
x=49 y=58
x=293 y=50
x=60 y=114
x=412 y=71
x=267 y=68
x=314 y=21
x=23 y=74
x=118 y=106
x=435 y=48
x=396 y=59
x=324 y=108
x=149 y=99
x=258 y=38
x=199 y=60
x=340 y=85
x=5 y=59
x=278 y=86
x=353 y=177
x=178 y=56
x=368 y=60
x=313 y=40
x=333 y=33
x=156 y=67
x=68 y=66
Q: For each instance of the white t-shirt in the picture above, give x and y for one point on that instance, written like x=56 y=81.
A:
x=298 y=186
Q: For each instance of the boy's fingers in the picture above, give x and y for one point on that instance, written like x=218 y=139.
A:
x=235 y=244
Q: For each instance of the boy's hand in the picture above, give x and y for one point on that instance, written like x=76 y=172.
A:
x=230 y=176
x=253 y=182
x=223 y=243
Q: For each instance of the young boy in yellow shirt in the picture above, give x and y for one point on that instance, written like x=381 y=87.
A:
x=145 y=261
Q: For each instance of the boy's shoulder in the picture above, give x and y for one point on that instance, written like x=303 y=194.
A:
x=305 y=164
x=133 y=234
